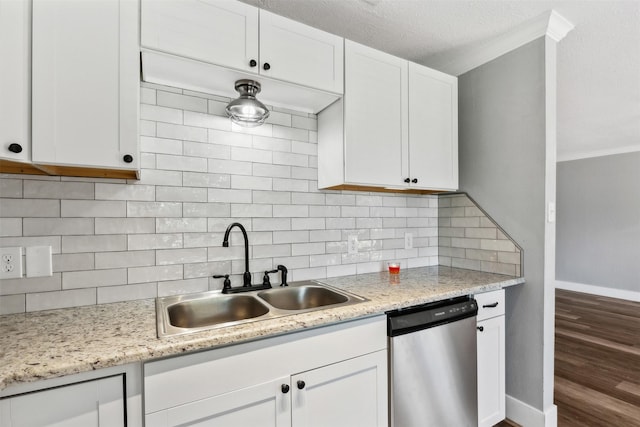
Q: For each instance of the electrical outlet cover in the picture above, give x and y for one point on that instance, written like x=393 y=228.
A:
x=352 y=244
x=10 y=263
x=408 y=240
x=39 y=261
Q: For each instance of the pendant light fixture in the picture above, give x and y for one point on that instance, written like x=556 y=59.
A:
x=246 y=110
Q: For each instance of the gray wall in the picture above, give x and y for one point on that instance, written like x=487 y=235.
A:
x=503 y=152
x=598 y=241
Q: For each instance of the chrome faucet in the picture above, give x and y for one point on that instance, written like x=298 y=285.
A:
x=246 y=277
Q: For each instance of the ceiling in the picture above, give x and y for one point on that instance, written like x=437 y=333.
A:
x=598 y=62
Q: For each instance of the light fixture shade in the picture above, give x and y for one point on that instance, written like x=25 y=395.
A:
x=246 y=110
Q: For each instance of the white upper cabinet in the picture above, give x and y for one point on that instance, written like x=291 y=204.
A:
x=223 y=32
x=375 y=116
x=300 y=54
x=242 y=38
x=85 y=84
x=15 y=87
x=433 y=128
x=395 y=128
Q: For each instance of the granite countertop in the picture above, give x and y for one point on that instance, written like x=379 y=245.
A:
x=54 y=343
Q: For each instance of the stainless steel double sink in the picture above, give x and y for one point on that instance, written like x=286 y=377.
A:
x=183 y=314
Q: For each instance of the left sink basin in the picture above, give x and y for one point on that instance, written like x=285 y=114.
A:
x=191 y=313
x=211 y=311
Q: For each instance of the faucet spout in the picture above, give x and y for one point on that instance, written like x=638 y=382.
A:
x=246 y=277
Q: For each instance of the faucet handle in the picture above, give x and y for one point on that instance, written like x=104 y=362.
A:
x=227 y=282
x=265 y=278
x=283 y=274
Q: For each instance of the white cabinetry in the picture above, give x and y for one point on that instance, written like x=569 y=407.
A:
x=491 y=358
x=220 y=32
x=375 y=117
x=329 y=376
x=396 y=126
x=207 y=45
x=300 y=54
x=85 y=86
x=92 y=403
x=347 y=394
x=15 y=86
x=433 y=128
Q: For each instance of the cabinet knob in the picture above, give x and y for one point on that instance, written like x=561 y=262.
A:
x=15 y=148
x=407 y=180
x=284 y=388
x=301 y=384
x=494 y=305
x=481 y=328
x=414 y=180
x=252 y=63
x=128 y=158
x=266 y=66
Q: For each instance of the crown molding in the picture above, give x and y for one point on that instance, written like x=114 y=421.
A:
x=459 y=61
x=577 y=155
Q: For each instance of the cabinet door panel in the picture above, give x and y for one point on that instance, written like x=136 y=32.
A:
x=375 y=117
x=350 y=394
x=222 y=32
x=433 y=128
x=261 y=405
x=491 y=372
x=300 y=54
x=92 y=403
x=15 y=87
x=85 y=83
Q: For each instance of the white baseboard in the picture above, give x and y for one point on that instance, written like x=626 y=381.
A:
x=528 y=416
x=599 y=290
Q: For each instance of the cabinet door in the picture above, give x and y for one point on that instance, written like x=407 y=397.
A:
x=350 y=394
x=300 y=54
x=266 y=404
x=92 y=403
x=15 y=41
x=85 y=83
x=375 y=117
x=222 y=32
x=491 y=371
x=433 y=128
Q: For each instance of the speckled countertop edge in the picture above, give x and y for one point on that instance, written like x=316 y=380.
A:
x=55 y=343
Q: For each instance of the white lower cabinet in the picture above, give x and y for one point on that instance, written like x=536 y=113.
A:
x=491 y=358
x=345 y=394
x=260 y=405
x=92 y=403
x=332 y=376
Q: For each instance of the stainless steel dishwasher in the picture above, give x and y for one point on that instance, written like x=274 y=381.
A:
x=432 y=364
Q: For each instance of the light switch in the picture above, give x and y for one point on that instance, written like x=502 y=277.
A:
x=39 y=261
x=552 y=212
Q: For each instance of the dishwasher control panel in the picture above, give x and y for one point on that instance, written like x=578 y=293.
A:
x=425 y=316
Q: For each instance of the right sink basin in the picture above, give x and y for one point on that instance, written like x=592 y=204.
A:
x=302 y=297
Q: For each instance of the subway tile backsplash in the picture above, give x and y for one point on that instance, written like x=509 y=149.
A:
x=470 y=239
x=115 y=240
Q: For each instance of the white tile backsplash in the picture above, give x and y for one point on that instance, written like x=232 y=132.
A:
x=116 y=240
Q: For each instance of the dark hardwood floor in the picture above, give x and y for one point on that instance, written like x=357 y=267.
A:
x=597 y=361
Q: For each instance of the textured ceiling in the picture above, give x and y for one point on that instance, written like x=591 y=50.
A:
x=598 y=62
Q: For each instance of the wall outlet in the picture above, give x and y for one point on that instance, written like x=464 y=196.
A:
x=408 y=240
x=10 y=263
x=352 y=244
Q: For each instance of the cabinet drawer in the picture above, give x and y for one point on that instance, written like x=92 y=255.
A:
x=490 y=304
